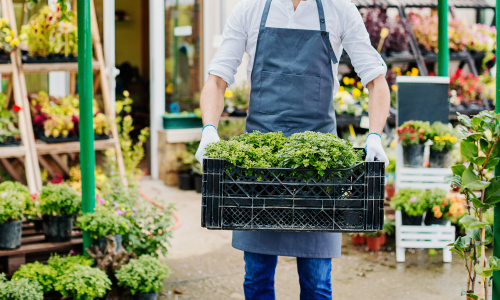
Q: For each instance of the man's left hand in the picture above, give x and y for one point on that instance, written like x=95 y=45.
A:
x=374 y=149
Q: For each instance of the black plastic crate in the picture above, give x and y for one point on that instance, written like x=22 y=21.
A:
x=349 y=200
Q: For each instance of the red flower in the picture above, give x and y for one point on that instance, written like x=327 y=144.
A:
x=403 y=138
x=413 y=130
x=16 y=108
x=420 y=136
x=412 y=138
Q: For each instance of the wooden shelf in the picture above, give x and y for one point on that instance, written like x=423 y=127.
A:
x=51 y=67
x=71 y=147
x=6 y=152
x=6 y=68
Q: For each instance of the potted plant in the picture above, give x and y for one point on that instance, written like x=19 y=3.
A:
x=104 y=222
x=358 y=238
x=11 y=215
x=143 y=277
x=83 y=283
x=237 y=101
x=412 y=204
x=185 y=161
x=413 y=135
x=59 y=203
x=437 y=207
x=18 y=289
x=443 y=142
x=9 y=133
x=375 y=240
x=44 y=275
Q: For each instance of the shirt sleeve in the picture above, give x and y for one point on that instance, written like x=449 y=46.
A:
x=367 y=62
x=230 y=53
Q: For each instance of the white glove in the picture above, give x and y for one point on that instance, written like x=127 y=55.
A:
x=208 y=136
x=374 y=149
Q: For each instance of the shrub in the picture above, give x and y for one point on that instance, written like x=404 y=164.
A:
x=22 y=190
x=44 y=275
x=63 y=263
x=59 y=199
x=83 y=283
x=409 y=201
x=437 y=202
x=19 y=289
x=103 y=222
x=11 y=206
x=143 y=275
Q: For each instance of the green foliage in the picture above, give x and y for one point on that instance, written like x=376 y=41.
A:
x=83 y=283
x=59 y=199
x=30 y=207
x=230 y=128
x=8 y=117
x=143 y=275
x=19 y=289
x=11 y=206
x=313 y=150
x=410 y=201
x=437 y=202
x=62 y=263
x=44 y=275
x=443 y=137
x=103 y=222
x=414 y=133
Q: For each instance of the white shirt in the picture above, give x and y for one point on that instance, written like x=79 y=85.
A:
x=343 y=22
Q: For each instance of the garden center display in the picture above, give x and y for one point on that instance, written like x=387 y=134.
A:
x=412 y=204
x=443 y=142
x=237 y=100
x=17 y=289
x=412 y=136
x=9 y=132
x=9 y=42
x=11 y=216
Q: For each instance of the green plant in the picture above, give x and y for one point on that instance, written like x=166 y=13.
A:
x=8 y=119
x=30 y=205
x=230 y=128
x=7 y=36
x=83 y=283
x=437 y=202
x=239 y=98
x=11 y=206
x=103 y=222
x=19 y=289
x=143 y=275
x=414 y=133
x=442 y=137
x=389 y=225
x=480 y=134
x=59 y=199
x=62 y=263
x=44 y=275
x=410 y=201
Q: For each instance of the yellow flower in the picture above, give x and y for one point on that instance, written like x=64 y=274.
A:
x=341 y=89
x=346 y=80
x=8 y=39
x=394 y=87
x=356 y=93
x=351 y=81
x=408 y=73
x=365 y=107
x=359 y=85
x=3 y=21
x=414 y=72
x=6 y=30
x=14 y=42
x=228 y=94
x=170 y=88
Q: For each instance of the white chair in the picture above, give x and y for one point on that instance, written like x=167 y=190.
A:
x=432 y=237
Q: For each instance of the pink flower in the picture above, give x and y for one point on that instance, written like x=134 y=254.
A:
x=101 y=201
x=119 y=212
x=413 y=199
x=134 y=209
x=115 y=204
x=72 y=252
x=3 y=195
x=391 y=217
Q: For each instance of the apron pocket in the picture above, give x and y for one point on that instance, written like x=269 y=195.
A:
x=290 y=96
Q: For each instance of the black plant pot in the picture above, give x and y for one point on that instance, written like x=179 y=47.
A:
x=410 y=220
x=439 y=159
x=152 y=296
x=186 y=181
x=430 y=219
x=102 y=242
x=57 y=228
x=38 y=223
x=198 y=183
x=10 y=235
x=413 y=156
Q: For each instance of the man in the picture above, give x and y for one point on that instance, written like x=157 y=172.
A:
x=293 y=47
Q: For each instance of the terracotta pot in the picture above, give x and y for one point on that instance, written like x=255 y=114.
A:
x=382 y=239
x=389 y=191
x=373 y=243
x=358 y=239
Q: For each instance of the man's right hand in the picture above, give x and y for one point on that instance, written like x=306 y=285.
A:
x=208 y=136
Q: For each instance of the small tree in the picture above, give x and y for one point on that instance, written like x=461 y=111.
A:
x=480 y=134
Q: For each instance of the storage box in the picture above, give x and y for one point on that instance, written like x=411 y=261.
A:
x=181 y=120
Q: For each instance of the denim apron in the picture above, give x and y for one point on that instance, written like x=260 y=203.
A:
x=292 y=91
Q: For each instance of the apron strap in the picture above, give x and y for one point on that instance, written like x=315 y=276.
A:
x=321 y=15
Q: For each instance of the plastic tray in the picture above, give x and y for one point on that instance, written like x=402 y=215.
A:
x=350 y=200
x=182 y=121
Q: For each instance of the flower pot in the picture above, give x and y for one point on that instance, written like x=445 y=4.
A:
x=57 y=228
x=413 y=156
x=102 y=242
x=10 y=235
x=186 y=182
x=389 y=191
x=410 y=220
x=430 y=219
x=358 y=239
x=38 y=224
x=439 y=159
x=373 y=243
x=198 y=183
x=382 y=239
x=151 y=296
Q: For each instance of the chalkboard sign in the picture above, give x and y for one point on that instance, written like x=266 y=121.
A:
x=423 y=98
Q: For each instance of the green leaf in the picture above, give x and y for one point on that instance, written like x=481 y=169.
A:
x=492 y=161
x=468 y=149
x=488 y=235
x=477 y=185
x=474 y=234
x=467 y=220
x=494 y=262
x=480 y=205
x=458 y=170
x=464 y=119
x=460 y=253
x=484 y=144
x=479 y=160
x=492 y=192
x=469 y=176
x=478 y=269
x=453 y=180
x=477 y=224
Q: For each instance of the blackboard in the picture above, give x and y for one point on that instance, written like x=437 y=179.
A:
x=422 y=98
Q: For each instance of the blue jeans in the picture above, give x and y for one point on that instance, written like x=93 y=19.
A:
x=314 y=277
